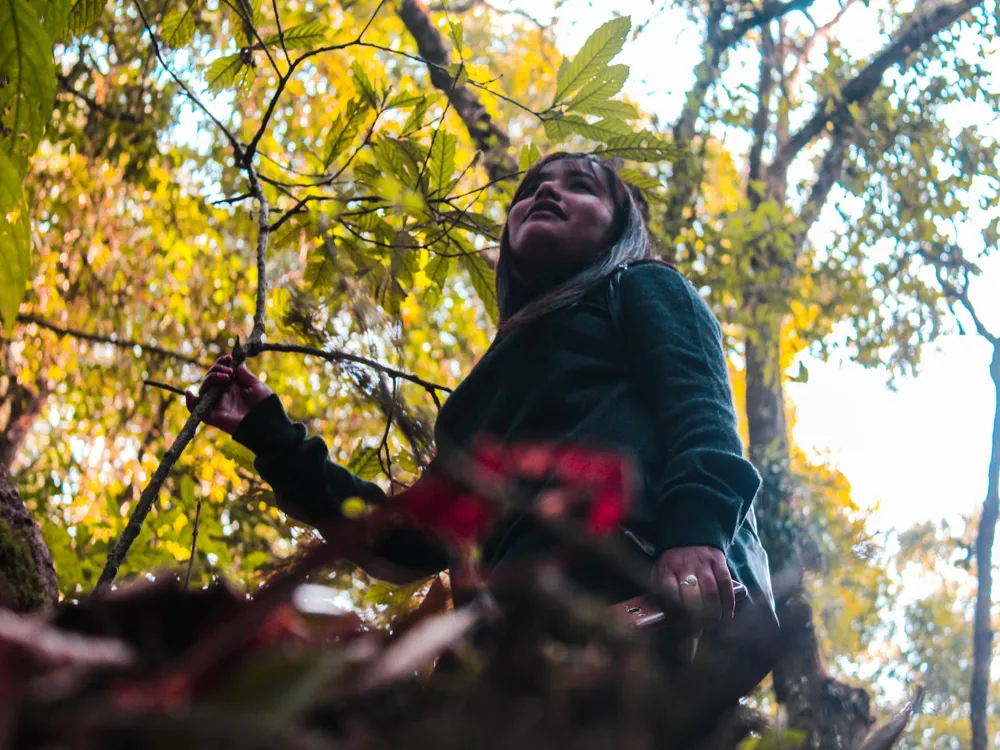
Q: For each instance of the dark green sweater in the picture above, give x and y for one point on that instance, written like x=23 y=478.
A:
x=636 y=365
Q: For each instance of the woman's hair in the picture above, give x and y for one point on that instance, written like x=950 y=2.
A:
x=628 y=241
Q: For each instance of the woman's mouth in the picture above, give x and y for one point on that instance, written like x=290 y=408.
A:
x=548 y=209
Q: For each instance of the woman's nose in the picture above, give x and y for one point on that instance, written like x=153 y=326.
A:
x=548 y=188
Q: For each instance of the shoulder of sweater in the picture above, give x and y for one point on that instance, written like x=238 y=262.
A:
x=651 y=280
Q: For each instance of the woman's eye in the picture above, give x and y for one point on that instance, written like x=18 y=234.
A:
x=578 y=184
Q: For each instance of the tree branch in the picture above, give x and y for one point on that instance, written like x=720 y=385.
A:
x=862 y=86
x=487 y=135
x=338 y=356
x=207 y=402
x=99 y=339
x=962 y=297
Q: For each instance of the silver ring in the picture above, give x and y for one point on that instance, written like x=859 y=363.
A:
x=691 y=580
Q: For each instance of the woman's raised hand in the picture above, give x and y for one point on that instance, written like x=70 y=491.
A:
x=244 y=391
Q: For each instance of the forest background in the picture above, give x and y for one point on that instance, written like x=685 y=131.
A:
x=825 y=172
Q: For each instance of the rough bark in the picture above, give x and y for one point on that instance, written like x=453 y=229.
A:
x=982 y=629
x=27 y=576
x=489 y=137
x=25 y=405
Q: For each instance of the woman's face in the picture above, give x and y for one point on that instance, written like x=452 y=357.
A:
x=563 y=215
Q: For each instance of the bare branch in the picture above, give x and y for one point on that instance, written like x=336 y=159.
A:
x=827 y=176
x=184 y=87
x=164 y=386
x=920 y=30
x=100 y=339
x=338 y=356
x=283 y=81
x=486 y=134
x=194 y=543
x=208 y=400
x=762 y=117
x=962 y=297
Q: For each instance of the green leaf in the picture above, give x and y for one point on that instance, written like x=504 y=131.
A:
x=641 y=180
x=416 y=119
x=364 y=463
x=642 y=147
x=15 y=244
x=442 y=162
x=802 y=376
x=248 y=18
x=302 y=36
x=364 y=85
x=484 y=282
x=439 y=268
x=616 y=109
x=27 y=81
x=238 y=453
x=529 y=155
x=229 y=71
x=595 y=54
x=602 y=87
x=603 y=130
x=344 y=130
x=54 y=15
x=320 y=274
x=457 y=33
x=459 y=73
x=83 y=15
x=404 y=100
x=177 y=28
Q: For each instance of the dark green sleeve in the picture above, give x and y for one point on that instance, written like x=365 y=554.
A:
x=310 y=487
x=705 y=486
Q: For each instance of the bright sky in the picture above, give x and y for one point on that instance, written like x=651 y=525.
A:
x=918 y=453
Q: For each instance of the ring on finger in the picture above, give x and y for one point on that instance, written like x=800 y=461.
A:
x=691 y=580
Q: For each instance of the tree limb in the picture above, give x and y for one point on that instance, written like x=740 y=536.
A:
x=487 y=135
x=99 y=339
x=207 y=402
x=338 y=356
x=862 y=86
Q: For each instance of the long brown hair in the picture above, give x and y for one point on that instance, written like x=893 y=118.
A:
x=628 y=241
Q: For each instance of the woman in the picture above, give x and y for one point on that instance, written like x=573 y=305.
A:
x=598 y=345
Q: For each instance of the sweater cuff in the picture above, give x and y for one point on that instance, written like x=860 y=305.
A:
x=266 y=428
x=697 y=526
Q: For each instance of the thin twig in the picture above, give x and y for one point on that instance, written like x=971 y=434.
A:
x=100 y=339
x=338 y=356
x=211 y=396
x=281 y=33
x=194 y=543
x=177 y=79
x=283 y=81
x=164 y=386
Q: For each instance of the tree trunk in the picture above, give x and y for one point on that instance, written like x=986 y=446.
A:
x=25 y=406
x=983 y=632
x=836 y=716
x=27 y=576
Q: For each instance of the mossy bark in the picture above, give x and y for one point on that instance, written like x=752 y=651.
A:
x=27 y=576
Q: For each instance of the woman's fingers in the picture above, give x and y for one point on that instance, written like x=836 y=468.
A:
x=222 y=376
x=724 y=581
x=691 y=597
x=710 y=602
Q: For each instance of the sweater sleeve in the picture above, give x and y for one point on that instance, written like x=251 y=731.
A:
x=674 y=343
x=310 y=488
